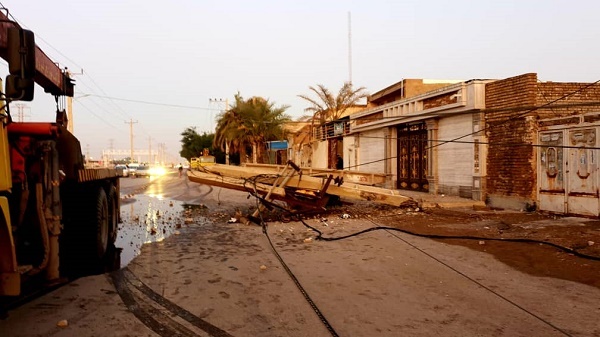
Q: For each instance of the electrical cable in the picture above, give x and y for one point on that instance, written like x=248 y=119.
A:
x=390 y=230
x=304 y=293
x=541 y=319
x=430 y=236
x=453 y=237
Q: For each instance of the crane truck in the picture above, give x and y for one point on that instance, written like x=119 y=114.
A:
x=58 y=219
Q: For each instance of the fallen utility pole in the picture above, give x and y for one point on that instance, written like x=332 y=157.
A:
x=245 y=179
x=363 y=178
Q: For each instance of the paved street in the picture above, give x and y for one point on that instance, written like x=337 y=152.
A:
x=213 y=278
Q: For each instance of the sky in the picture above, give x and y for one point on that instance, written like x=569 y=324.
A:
x=170 y=65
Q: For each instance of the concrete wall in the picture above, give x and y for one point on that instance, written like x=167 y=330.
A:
x=372 y=151
x=320 y=154
x=455 y=160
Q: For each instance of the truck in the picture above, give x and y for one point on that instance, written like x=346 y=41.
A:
x=204 y=160
x=58 y=219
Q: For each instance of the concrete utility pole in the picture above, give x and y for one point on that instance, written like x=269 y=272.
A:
x=111 y=146
x=150 y=150
x=70 y=104
x=131 y=122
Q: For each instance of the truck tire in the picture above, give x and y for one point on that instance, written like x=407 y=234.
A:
x=98 y=225
x=113 y=210
x=85 y=239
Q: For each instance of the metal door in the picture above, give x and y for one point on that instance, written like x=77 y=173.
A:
x=551 y=172
x=568 y=172
x=412 y=157
x=582 y=172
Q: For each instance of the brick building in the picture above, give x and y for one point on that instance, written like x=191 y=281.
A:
x=523 y=113
x=508 y=142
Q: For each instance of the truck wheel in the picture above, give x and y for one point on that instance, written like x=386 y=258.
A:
x=99 y=225
x=113 y=211
x=85 y=238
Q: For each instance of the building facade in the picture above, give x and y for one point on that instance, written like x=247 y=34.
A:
x=542 y=145
x=515 y=143
x=424 y=142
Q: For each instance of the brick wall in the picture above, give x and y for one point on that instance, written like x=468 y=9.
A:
x=510 y=118
x=510 y=169
x=577 y=93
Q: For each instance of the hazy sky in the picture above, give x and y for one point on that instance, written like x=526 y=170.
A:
x=184 y=53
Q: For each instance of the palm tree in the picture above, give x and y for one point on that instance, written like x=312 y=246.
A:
x=228 y=133
x=328 y=107
x=250 y=123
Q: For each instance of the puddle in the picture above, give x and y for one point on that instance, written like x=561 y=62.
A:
x=150 y=218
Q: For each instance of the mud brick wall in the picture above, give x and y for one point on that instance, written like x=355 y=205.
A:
x=573 y=104
x=510 y=169
x=511 y=117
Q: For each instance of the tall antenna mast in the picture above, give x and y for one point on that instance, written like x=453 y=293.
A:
x=349 y=48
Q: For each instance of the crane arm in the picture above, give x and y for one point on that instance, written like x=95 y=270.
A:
x=47 y=73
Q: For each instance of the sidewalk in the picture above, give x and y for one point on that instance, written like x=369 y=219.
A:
x=427 y=200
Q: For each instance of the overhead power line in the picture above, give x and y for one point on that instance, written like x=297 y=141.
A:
x=154 y=103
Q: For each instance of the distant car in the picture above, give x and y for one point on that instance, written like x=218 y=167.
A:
x=124 y=169
x=132 y=168
x=141 y=171
x=158 y=171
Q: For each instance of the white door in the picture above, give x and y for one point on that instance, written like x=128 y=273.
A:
x=551 y=172
x=582 y=172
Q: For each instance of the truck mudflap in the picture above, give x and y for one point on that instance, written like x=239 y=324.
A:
x=86 y=175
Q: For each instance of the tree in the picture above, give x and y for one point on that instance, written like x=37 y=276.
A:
x=192 y=144
x=328 y=107
x=249 y=124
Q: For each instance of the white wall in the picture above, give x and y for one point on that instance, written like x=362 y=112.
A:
x=371 y=149
x=455 y=160
x=319 y=155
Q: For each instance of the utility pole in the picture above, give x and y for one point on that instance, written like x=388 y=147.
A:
x=21 y=111
x=349 y=48
x=149 y=150
x=131 y=122
x=111 y=146
x=70 y=104
x=220 y=100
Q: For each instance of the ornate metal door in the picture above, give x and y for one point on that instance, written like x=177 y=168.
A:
x=582 y=193
x=412 y=157
x=568 y=171
x=551 y=172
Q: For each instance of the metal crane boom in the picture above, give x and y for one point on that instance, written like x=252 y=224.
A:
x=48 y=74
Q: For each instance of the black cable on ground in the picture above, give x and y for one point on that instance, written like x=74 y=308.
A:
x=263 y=224
x=442 y=237
x=260 y=199
x=482 y=285
x=430 y=236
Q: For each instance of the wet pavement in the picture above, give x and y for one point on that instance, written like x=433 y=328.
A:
x=149 y=215
x=222 y=279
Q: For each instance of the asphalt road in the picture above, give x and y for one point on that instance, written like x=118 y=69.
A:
x=201 y=276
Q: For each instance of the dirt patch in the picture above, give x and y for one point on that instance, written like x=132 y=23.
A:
x=487 y=228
